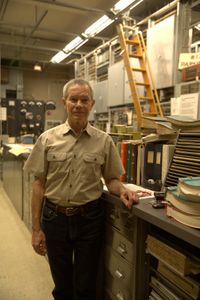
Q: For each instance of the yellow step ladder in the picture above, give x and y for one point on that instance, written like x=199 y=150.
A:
x=143 y=91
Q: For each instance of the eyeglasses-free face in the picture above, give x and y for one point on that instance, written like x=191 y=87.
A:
x=78 y=105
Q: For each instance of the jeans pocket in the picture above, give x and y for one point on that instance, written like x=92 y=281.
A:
x=96 y=212
x=48 y=214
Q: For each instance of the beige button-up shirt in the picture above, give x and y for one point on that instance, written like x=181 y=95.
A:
x=73 y=166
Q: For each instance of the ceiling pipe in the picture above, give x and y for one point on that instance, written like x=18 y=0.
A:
x=64 y=33
x=3 y=8
x=164 y=9
x=30 y=35
x=34 y=47
x=36 y=26
x=61 y=6
x=19 y=26
x=195 y=3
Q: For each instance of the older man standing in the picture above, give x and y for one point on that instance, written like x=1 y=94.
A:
x=69 y=162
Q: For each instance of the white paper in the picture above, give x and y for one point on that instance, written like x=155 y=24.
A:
x=3 y=113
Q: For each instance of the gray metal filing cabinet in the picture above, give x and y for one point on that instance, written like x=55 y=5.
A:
x=17 y=184
x=101 y=96
x=127 y=265
x=118 y=253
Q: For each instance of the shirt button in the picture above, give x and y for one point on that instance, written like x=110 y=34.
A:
x=70 y=185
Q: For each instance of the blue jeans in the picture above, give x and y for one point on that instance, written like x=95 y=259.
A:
x=74 y=250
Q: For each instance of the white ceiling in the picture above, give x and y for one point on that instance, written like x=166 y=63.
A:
x=35 y=30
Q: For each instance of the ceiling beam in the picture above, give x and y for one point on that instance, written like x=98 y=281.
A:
x=18 y=27
x=61 y=6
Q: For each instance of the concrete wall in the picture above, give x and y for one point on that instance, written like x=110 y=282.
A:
x=46 y=86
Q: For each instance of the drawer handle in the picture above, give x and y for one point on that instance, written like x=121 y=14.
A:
x=118 y=274
x=113 y=216
x=121 y=250
x=120 y=296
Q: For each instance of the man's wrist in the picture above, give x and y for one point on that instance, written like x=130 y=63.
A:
x=36 y=229
x=122 y=189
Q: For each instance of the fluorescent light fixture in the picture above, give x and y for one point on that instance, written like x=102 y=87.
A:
x=98 y=26
x=69 y=48
x=93 y=29
x=74 y=44
x=59 y=57
x=37 y=67
x=121 y=5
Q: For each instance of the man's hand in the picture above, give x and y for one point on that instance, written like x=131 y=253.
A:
x=129 y=197
x=39 y=242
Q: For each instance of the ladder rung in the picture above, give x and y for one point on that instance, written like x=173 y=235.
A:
x=132 y=42
x=135 y=55
x=142 y=83
x=134 y=47
x=139 y=70
x=146 y=98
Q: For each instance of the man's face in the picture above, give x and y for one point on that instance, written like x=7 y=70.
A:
x=78 y=103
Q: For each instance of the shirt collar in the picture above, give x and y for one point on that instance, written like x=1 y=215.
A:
x=67 y=128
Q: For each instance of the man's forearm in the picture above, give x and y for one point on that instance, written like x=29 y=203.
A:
x=37 y=203
x=127 y=196
x=115 y=186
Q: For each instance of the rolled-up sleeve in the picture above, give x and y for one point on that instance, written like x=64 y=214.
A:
x=113 y=167
x=37 y=161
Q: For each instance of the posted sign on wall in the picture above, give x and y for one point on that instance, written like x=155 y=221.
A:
x=188 y=59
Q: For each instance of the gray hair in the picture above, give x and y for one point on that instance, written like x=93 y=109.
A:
x=79 y=82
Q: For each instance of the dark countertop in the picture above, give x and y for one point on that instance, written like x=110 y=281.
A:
x=158 y=217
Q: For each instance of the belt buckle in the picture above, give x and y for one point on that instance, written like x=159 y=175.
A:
x=69 y=211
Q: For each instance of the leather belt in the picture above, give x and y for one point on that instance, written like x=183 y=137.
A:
x=71 y=211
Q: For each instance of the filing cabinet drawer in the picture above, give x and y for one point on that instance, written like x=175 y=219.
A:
x=119 y=268
x=121 y=219
x=116 y=291
x=119 y=243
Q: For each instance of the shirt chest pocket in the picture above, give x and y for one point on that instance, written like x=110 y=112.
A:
x=92 y=164
x=58 y=162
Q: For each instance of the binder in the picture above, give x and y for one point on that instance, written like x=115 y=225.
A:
x=153 y=166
